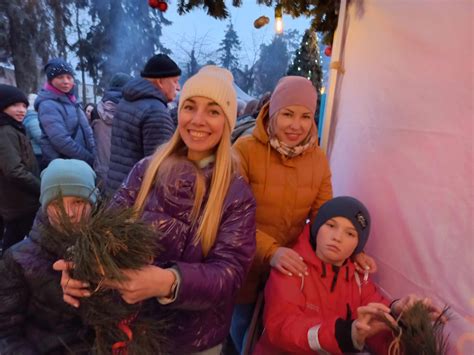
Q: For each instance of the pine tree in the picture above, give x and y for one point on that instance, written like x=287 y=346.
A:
x=271 y=66
x=306 y=62
x=228 y=47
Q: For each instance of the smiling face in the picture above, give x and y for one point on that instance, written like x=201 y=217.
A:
x=75 y=208
x=336 y=240
x=63 y=82
x=201 y=124
x=17 y=111
x=293 y=124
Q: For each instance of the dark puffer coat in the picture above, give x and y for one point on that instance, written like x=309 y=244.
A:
x=19 y=172
x=141 y=123
x=34 y=319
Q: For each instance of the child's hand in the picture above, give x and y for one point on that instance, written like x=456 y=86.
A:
x=370 y=321
x=289 y=262
x=408 y=301
x=364 y=263
x=71 y=288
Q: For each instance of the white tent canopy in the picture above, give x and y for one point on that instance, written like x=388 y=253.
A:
x=401 y=141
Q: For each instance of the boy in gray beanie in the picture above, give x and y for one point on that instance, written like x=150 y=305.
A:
x=33 y=316
x=331 y=309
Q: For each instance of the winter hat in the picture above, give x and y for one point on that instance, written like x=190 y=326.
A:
x=56 y=67
x=67 y=177
x=214 y=83
x=119 y=80
x=160 y=66
x=293 y=90
x=10 y=95
x=348 y=207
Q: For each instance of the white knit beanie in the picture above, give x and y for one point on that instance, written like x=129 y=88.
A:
x=214 y=83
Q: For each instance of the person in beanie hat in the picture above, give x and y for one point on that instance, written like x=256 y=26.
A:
x=102 y=124
x=142 y=121
x=19 y=171
x=290 y=178
x=349 y=208
x=204 y=214
x=68 y=178
x=160 y=66
x=33 y=316
x=332 y=308
x=66 y=132
x=56 y=67
x=118 y=80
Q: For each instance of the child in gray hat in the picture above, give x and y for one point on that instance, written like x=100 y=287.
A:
x=33 y=316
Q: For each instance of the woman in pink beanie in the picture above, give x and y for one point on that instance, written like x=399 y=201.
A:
x=290 y=178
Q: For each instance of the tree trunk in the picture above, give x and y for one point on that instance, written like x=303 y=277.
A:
x=23 y=52
x=81 y=59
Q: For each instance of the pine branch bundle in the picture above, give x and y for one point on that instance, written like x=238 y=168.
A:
x=99 y=247
x=418 y=334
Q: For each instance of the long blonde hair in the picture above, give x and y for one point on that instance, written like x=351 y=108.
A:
x=225 y=168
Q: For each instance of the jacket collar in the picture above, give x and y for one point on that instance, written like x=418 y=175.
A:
x=331 y=272
x=7 y=120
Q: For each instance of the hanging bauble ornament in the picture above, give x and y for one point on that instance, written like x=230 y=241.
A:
x=162 y=6
x=261 y=21
x=157 y=4
x=153 y=3
x=328 y=51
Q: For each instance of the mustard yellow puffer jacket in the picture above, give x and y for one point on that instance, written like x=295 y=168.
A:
x=287 y=191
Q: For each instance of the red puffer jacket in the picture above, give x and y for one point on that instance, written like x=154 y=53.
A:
x=303 y=315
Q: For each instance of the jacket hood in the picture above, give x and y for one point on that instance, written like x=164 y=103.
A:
x=260 y=131
x=44 y=95
x=139 y=88
x=113 y=94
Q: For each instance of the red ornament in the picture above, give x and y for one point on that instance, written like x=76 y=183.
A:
x=160 y=5
x=328 y=51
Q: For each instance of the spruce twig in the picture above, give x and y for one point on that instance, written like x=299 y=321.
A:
x=417 y=334
x=100 y=247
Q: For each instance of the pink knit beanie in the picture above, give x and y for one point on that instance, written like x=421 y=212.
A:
x=293 y=90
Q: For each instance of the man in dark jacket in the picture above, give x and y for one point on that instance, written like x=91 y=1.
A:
x=142 y=120
x=19 y=172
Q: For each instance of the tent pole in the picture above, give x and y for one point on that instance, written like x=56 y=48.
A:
x=336 y=69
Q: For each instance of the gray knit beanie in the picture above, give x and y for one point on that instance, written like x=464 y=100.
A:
x=67 y=177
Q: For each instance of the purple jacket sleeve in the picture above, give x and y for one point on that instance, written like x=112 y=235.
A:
x=218 y=278
x=128 y=191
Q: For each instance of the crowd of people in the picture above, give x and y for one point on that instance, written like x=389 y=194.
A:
x=240 y=199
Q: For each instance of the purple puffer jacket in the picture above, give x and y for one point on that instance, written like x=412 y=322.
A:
x=202 y=311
